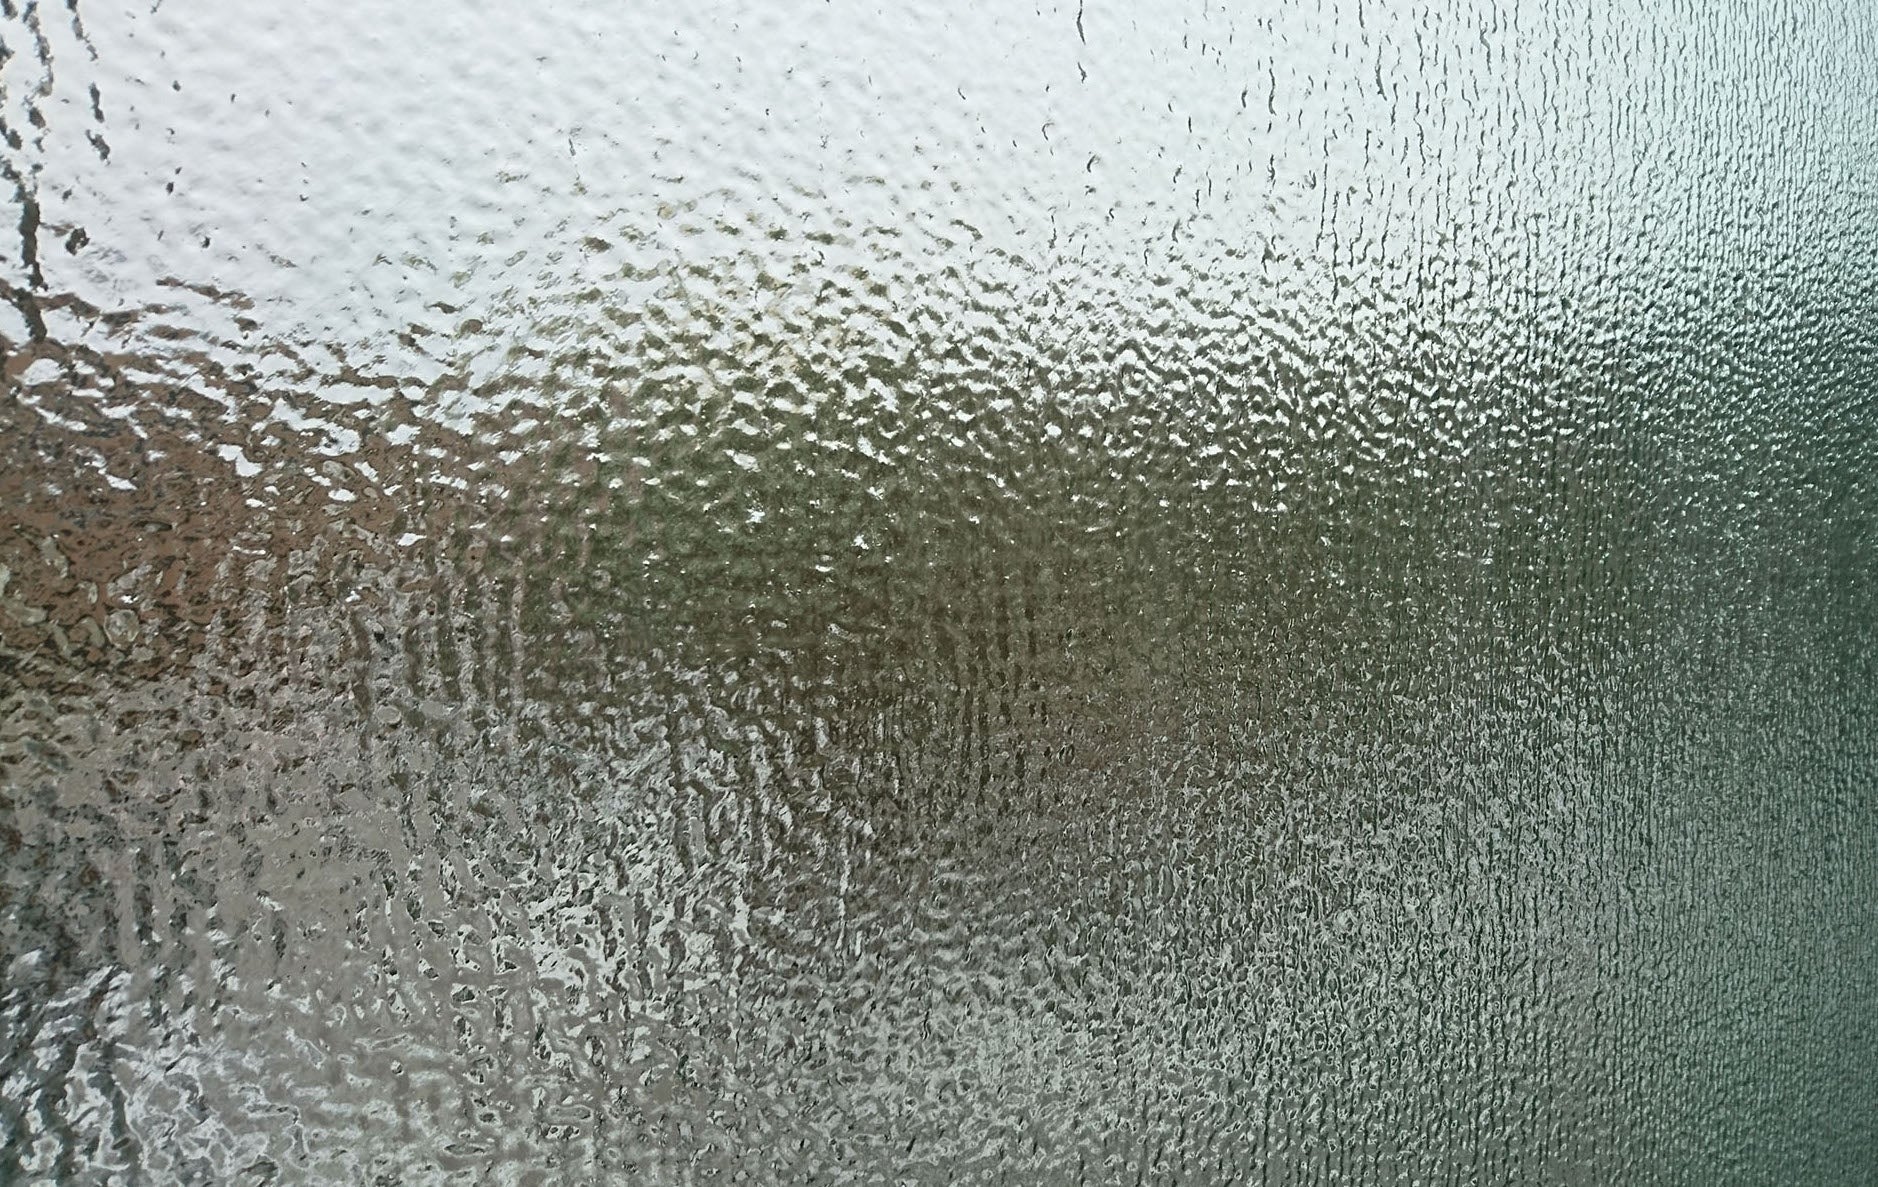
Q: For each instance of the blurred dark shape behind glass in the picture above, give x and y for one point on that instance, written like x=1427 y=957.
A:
x=1115 y=593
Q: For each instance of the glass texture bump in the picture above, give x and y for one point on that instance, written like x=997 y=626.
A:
x=809 y=592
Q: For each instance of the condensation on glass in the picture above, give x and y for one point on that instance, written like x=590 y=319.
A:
x=1083 y=593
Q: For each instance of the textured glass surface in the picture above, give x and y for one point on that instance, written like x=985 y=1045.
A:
x=999 y=593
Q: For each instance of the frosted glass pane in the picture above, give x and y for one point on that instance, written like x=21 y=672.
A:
x=985 y=593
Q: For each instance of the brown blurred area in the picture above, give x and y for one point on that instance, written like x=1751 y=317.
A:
x=137 y=514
